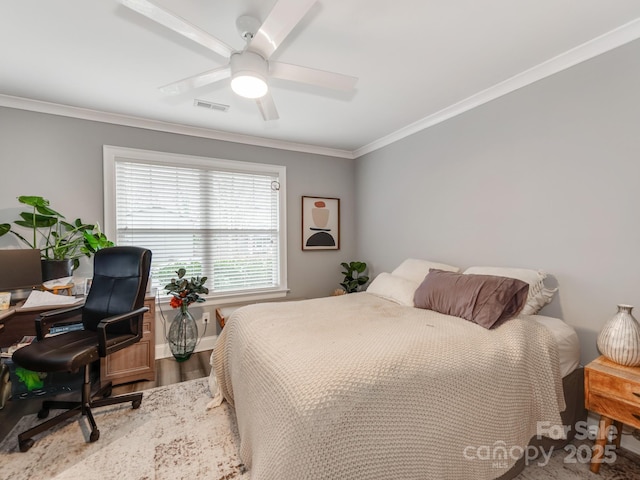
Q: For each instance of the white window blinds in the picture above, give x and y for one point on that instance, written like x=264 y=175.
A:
x=215 y=218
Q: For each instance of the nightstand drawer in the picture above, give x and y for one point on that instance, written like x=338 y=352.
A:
x=628 y=390
x=611 y=390
x=625 y=412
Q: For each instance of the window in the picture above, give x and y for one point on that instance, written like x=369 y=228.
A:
x=217 y=218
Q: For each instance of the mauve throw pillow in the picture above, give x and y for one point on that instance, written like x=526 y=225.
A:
x=487 y=300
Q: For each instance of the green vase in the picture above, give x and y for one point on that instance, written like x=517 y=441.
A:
x=183 y=335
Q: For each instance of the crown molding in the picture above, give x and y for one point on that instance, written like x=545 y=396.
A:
x=597 y=46
x=131 y=121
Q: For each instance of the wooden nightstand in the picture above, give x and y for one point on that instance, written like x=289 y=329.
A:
x=223 y=313
x=613 y=391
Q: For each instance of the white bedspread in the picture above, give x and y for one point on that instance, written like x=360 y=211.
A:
x=357 y=387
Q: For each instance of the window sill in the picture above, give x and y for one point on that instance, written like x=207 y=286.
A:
x=234 y=298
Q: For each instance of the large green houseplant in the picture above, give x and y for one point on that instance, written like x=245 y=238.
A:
x=60 y=242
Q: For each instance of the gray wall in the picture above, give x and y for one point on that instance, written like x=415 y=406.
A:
x=60 y=158
x=544 y=178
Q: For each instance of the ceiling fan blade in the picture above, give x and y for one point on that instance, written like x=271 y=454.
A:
x=179 y=25
x=204 y=78
x=267 y=107
x=312 y=76
x=281 y=20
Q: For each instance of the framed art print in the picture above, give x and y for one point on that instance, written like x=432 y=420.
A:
x=320 y=223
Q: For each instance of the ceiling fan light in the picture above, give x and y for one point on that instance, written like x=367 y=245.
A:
x=249 y=74
x=249 y=85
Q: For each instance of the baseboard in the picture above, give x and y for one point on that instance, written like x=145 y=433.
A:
x=628 y=441
x=206 y=343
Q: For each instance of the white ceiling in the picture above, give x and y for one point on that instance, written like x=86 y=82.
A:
x=418 y=62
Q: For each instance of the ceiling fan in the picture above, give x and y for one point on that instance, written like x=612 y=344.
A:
x=249 y=68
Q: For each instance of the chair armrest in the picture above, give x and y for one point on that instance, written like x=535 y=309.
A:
x=106 y=322
x=60 y=316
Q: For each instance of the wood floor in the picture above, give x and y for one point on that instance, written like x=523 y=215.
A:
x=168 y=371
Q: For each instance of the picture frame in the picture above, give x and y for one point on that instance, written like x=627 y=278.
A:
x=320 y=223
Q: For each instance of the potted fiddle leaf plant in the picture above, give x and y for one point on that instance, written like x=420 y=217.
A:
x=61 y=243
x=354 y=277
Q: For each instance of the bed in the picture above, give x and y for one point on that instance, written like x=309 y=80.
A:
x=362 y=386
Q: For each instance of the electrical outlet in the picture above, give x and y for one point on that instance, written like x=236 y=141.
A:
x=206 y=317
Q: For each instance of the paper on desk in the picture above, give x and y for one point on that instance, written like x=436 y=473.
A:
x=57 y=282
x=44 y=299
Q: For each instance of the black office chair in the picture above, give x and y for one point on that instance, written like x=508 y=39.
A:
x=112 y=318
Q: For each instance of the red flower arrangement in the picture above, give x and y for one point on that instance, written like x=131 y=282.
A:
x=185 y=292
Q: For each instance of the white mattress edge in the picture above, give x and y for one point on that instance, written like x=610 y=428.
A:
x=567 y=340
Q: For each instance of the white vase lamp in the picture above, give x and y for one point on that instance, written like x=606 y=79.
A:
x=619 y=339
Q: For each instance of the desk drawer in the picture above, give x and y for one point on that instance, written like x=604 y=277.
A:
x=136 y=362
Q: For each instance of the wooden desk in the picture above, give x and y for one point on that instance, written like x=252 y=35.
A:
x=136 y=362
x=17 y=323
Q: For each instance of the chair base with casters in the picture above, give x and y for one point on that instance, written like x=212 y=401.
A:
x=83 y=407
x=112 y=320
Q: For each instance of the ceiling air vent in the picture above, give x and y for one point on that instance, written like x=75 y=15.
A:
x=210 y=105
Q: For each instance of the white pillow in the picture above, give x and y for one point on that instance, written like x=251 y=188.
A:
x=415 y=269
x=538 y=295
x=391 y=287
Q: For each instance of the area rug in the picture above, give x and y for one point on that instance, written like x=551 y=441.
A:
x=171 y=436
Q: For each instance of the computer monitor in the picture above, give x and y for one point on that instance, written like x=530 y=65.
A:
x=20 y=272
